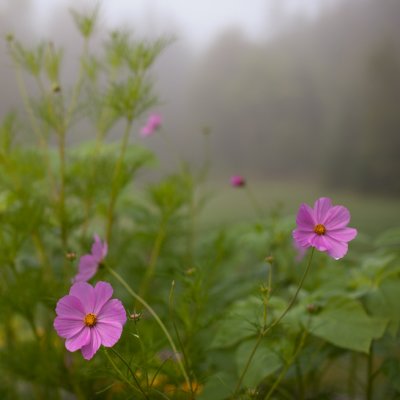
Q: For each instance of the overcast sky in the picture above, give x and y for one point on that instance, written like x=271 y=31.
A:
x=196 y=21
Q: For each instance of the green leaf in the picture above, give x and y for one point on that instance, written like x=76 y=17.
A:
x=344 y=323
x=219 y=386
x=265 y=362
x=240 y=322
x=385 y=303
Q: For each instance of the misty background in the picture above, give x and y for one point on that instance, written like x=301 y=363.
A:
x=288 y=89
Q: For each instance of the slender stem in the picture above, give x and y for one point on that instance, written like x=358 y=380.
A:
x=155 y=316
x=191 y=229
x=370 y=377
x=264 y=331
x=61 y=152
x=43 y=259
x=115 y=182
x=172 y=316
x=276 y=322
x=249 y=360
x=155 y=252
x=64 y=125
x=130 y=370
x=119 y=372
x=286 y=368
x=89 y=197
x=78 y=87
x=25 y=98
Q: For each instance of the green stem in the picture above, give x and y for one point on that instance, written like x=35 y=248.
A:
x=88 y=201
x=132 y=373
x=191 y=230
x=288 y=365
x=119 y=372
x=263 y=332
x=25 y=99
x=42 y=254
x=61 y=153
x=172 y=317
x=156 y=317
x=78 y=87
x=115 y=181
x=155 y=252
x=276 y=322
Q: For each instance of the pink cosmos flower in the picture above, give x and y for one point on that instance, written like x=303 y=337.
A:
x=324 y=227
x=87 y=317
x=237 y=181
x=152 y=124
x=89 y=263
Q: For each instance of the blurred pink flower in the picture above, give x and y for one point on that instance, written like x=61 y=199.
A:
x=89 y=263
x=300 y=251
x=87 y=317
x=152 y=124
x=237 y=181
x=324 y=227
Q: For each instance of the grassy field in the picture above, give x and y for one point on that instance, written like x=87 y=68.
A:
x=370 y=214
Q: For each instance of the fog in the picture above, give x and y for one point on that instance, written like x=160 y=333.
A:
x=288 y=89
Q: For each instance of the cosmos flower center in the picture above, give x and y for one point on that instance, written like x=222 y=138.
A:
x=320 y=229
x=90 y=320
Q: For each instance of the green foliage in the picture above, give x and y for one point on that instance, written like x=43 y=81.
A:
x=344 y=323
x=215 y=294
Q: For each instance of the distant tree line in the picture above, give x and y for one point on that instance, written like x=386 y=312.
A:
x=321 y=98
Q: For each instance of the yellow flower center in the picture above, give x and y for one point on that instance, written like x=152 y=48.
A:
x=90 y=320
x=320 y=229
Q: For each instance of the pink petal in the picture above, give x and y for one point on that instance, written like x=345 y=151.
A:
x=90 y=349
x=85 y=293
x=67 y=328
x=102 y=292
x=321 y=209
x=79 y=340
x=237 y=181
x=146 y=131
x=339 y=250
x=112 y=311
x=321 y=242
x=154 y=121
x=303 y=238
x=110 y=332
x=337 y=217
x=99 y=250
x=70 y=307
x=333 y=247
x=342 y=234
x=305 y=218
x=88 y=267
